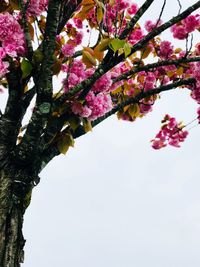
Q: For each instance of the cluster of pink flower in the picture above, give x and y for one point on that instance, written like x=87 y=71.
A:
x=11 y=39
x=98 y=101
x=68 y=49
x=186 y=26
x=103 y=84
x=195 y=70
x=76 y=73
x=36 y=7
x=171 y=133
x=114 y=11
x=95 y=106
x=165 y=50
x=136 y=35
x=147 y=80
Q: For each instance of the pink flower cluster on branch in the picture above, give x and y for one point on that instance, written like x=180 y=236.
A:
x=98 y=101
x=171 y=133
x=36 y=7
x=12 y=42
x=182 y=29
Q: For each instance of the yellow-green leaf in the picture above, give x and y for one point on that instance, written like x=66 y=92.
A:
x=127 y=49
x=134 y=111
x=116 y=44
x=26 y=68
x=65 y=142
x=103 y=45
x=87 y=125
x=88 y=59
x=99 y=14
x=117 y=90
x=180 y=71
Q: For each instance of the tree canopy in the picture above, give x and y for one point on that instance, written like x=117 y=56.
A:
x=69 y=65
x=108 y=63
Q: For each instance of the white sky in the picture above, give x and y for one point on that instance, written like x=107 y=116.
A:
x=113 y=201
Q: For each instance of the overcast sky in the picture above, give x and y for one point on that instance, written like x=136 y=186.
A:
x=113 y=201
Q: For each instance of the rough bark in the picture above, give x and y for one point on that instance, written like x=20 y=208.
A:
x=14 y=194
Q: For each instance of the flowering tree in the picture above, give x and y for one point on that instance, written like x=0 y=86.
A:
x=108 y=63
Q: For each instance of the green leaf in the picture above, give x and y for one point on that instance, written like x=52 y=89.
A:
x=134 y=111
x=99 y=14
x=87 y=125
x=127 y=49
x=116 y=44
x=65 y=142
x=26 y=68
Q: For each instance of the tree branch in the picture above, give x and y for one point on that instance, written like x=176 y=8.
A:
x=68 y=8
x=26 y=29
x=150 y=67
x=43 y=85
x=17 y=104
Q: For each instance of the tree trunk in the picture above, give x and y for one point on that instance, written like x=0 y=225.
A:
x=13 y=196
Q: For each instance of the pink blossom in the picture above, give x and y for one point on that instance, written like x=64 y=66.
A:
x=145 y=108
x=73 y=79
x=158 y=144
x=78 y=23
x=179 y=32
x=75 y=74
x=68 y=50
x=11 y=35
x=3 y=68
x=94 y=107
x=171 y=133
x=132 y=10
x=78 y=38
x=191 y=23
x=166 y=49
x=196 y=94
x=103 y=84
x=197 y=49
x=135 y=36
x=69 y=26
x=10 y=50
x=122 y=4
x=77 y=108
x=86 y=112
x=2 y=53
x=101 y=104
x=36 y=7
x=149 y=25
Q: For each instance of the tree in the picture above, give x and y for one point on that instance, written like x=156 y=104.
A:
x=121 y=71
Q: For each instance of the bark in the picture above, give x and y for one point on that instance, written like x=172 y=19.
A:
x=14 y=190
